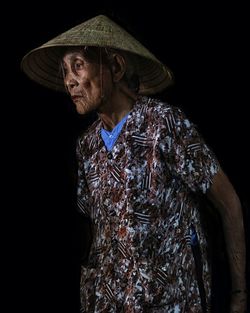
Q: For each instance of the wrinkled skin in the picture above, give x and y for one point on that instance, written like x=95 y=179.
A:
x=88 y=84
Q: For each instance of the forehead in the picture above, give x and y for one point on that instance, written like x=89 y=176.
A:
x=72 y=54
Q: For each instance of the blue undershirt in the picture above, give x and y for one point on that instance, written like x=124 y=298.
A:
x=110 y=137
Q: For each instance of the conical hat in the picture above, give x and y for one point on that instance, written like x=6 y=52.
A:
x=42 y=63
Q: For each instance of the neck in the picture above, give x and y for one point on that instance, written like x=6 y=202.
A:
x=118 y=106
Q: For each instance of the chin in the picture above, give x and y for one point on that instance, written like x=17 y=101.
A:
x=87 y=107
x=81 y=112
x=84 y=110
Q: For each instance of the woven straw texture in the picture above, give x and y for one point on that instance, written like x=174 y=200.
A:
x=43 y=63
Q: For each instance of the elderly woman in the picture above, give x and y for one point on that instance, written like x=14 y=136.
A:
x=143 y=167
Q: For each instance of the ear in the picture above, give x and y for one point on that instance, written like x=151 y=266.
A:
x=118 y=67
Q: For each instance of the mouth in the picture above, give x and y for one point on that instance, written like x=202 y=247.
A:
x=75 y=98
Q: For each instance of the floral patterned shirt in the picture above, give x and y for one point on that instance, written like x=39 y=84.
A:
x=141 y=198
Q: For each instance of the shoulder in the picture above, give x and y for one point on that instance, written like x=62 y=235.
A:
x=160 y=108
x=163 y=114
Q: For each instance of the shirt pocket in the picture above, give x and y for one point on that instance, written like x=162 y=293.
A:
x=141 y=145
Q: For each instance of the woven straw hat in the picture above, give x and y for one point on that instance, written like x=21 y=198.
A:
x=42 y=63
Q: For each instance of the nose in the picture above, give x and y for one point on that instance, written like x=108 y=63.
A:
x=70 y=82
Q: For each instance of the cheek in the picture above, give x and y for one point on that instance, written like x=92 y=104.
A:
x=86 y=84
x=90 y=82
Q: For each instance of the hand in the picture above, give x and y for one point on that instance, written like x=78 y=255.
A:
x=238 y=302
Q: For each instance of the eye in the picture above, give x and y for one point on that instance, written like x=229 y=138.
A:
x=78 y=65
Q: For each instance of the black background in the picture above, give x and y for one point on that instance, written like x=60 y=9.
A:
x=206 y=48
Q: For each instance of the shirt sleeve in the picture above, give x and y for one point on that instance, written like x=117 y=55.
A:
x=83 y=205
x=186 y=153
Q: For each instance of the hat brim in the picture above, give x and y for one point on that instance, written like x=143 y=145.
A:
x=43 y=66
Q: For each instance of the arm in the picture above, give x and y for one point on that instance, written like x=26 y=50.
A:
x=191 y=159
x=225 y=199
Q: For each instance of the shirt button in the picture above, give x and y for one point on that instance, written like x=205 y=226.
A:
x=110 y=155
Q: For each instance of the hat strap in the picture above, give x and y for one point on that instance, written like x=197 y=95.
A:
x=101 y=72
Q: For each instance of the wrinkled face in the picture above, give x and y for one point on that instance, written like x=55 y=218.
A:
x=88 y=83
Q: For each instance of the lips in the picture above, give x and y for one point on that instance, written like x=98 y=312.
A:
x=74 y=98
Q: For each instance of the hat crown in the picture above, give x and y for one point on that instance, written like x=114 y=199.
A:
x=100 y=31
